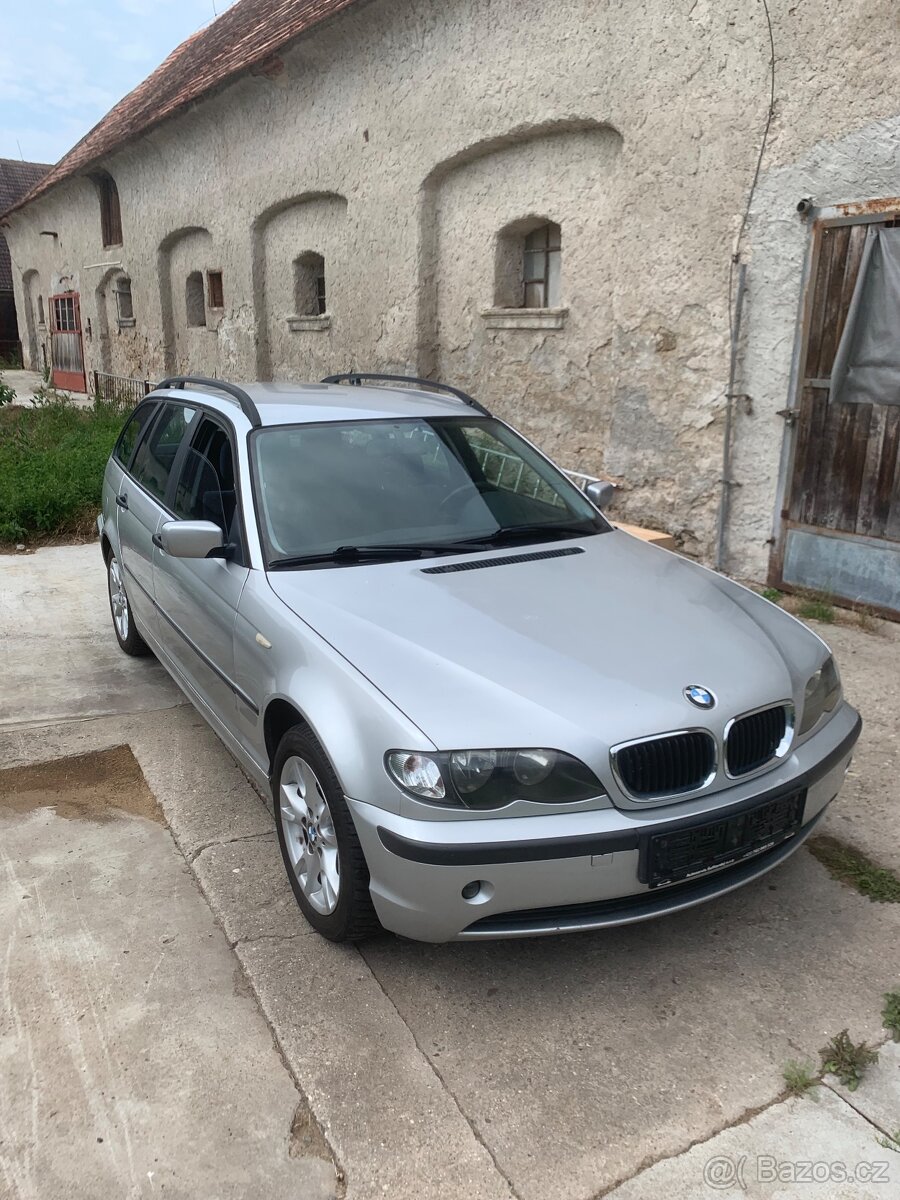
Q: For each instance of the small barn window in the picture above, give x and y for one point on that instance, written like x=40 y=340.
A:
x=110 y=212
x=124 y=305
x=41 y=318
x=215 y=289
x=309 y=286
x=542 y=267
x=529 y=266
x=193 y=299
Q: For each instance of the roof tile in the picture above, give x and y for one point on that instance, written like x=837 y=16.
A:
x=16 y=178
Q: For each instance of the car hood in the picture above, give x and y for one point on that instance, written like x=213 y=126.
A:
x=574 y=651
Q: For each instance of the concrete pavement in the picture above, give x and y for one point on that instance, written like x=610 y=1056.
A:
x=535 y=1069
x=134 y=1060
x=27 y=384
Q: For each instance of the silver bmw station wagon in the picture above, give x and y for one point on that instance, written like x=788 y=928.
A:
x=482 y=711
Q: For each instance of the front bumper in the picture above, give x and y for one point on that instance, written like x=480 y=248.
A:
x=575 y=871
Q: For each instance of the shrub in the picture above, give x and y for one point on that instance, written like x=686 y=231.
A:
x=52 y=459
x=7 y=394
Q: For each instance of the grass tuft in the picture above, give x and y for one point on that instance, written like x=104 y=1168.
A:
x=799 y=1078
x=852 y=867
x=772 y=594
x=52 y=459
x=817 y=607
x=890 y=1014
x=846 y=1060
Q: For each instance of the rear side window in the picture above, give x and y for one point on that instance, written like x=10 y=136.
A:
x=156 y=453
x=130 y=435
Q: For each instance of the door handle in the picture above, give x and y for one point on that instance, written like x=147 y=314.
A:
x=122 y=501
x=157 y=541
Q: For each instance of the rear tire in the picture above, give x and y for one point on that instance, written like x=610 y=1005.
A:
x=123 y=621
x=321 y=851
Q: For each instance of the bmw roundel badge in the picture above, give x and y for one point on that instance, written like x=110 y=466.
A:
x=700 y=696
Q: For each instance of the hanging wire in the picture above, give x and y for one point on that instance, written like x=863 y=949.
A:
x=736 y=254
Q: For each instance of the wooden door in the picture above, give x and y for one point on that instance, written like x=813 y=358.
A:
x=840 y=531
x=66 y=348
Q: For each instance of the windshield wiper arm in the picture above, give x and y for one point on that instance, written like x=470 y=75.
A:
x=348 y=555
x=358 y=554
x=537 y=528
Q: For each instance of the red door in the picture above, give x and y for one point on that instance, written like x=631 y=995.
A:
x=66 y=349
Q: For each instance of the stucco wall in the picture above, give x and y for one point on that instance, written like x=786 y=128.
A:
x=635 y=127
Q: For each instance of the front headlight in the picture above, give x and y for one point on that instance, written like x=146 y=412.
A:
x=823 y=691
x=485 y=779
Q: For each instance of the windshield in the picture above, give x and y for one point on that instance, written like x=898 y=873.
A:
x=431 y=484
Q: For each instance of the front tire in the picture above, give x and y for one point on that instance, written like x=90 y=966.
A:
x=123 y=622
x=321 y=852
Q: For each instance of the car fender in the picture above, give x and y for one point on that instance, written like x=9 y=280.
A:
x=279 y=657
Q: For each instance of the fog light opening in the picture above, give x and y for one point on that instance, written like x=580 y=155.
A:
x=478 y=891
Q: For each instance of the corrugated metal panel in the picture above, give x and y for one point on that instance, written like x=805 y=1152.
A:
x=862 y=570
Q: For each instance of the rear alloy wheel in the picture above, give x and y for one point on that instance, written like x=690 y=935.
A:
x=126 y=634
x=321 y=851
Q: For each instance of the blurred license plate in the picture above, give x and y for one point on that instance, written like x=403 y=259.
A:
x=682 y=854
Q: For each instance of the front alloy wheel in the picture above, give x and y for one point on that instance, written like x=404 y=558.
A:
x=321 y=851
x=309 y=835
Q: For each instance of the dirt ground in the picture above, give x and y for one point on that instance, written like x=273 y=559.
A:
x=85 y=787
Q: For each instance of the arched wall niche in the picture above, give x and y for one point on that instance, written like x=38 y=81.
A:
x=181 y=252
x=310 y=223
x=546 y=167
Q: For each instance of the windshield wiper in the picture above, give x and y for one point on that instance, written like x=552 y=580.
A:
x=357 y=554
x=537 y=528
x=349 y=555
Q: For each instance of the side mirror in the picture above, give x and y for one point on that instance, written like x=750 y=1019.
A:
x=191 y=539
x=601 y=493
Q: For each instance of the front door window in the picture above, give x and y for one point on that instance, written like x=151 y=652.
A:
x=156 y=453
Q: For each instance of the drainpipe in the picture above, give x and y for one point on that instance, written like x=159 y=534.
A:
x=726 y=481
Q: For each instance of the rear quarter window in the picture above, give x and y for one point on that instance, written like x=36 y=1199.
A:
x=130 y=435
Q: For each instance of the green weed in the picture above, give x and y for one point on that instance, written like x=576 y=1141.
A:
x=7 y=393
x=817 y=608
x=890 y=1014
x=799 y=1078
x=849 y=1062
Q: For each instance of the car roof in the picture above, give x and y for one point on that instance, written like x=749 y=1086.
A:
x=306 y=403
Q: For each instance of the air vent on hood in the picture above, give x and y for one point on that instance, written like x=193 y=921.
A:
x=501 y=562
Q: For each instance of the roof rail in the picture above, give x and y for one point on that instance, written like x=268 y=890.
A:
x=248 y=408
x=356 y=378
